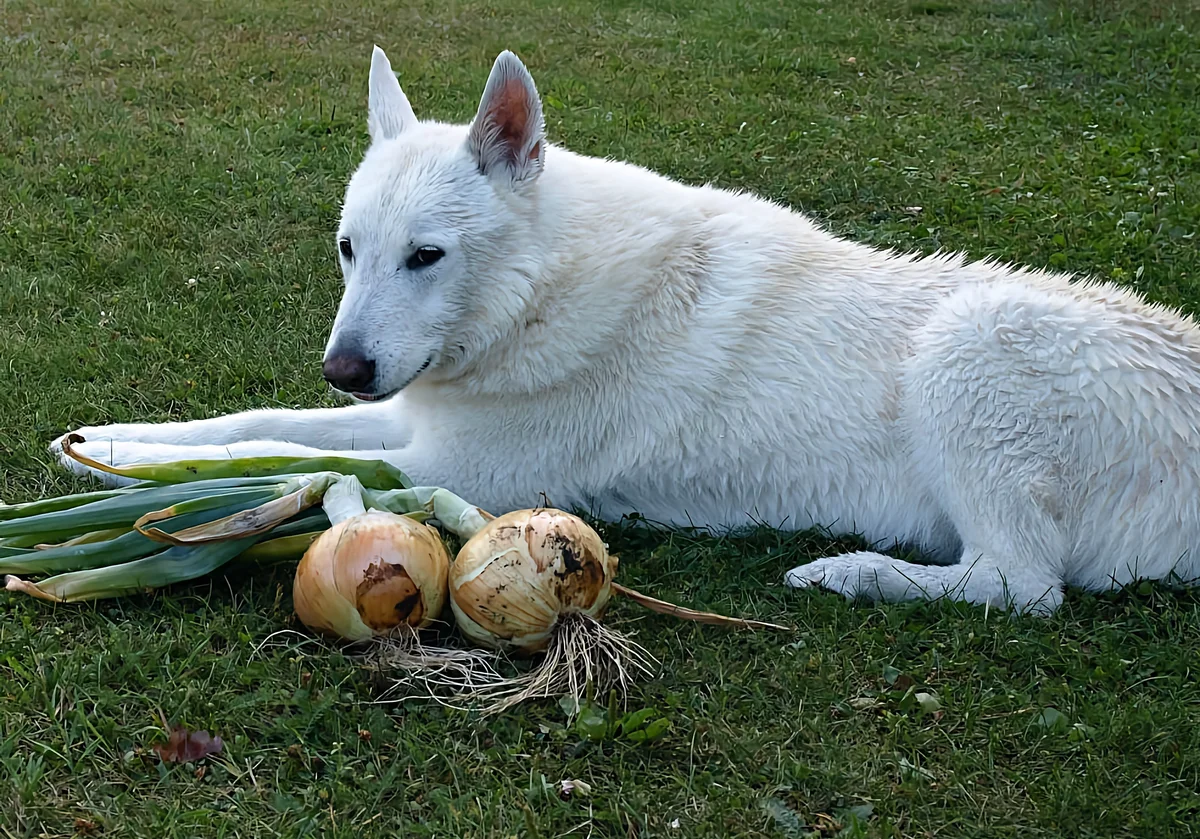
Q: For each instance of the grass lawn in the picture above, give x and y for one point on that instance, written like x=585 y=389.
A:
x=170 y=177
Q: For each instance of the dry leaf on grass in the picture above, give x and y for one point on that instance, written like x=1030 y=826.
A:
x=188 y=746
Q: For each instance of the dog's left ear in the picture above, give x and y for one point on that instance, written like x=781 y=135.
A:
x=388 y=111
x=507 y=137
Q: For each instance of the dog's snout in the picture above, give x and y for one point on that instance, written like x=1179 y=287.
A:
x=349 y=372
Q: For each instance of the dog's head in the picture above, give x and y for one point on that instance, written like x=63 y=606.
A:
x=432 y=232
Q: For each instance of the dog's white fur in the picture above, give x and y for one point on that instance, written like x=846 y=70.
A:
x=625 y=343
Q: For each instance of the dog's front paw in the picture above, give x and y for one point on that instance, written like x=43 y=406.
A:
x=117 y=432
x=838 y=574
x=98 y=442
x=110 y=453
x=58 y=450
x=56 y=445
x=91 y=434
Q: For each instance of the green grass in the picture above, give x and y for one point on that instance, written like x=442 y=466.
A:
x=144 y=145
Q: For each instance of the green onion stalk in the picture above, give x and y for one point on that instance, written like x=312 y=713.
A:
x=185 y=519
x=180 y=521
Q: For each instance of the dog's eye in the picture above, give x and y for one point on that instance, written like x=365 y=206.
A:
x=424 y=256
x=344 y=247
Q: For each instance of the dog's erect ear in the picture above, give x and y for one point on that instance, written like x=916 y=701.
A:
x=507 y=135
x=388 y=111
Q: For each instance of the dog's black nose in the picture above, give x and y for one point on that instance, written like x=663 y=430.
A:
x=350 y=373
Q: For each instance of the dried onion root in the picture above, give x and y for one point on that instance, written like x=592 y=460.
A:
x=540 y=581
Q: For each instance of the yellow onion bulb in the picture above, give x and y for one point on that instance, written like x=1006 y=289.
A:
x=369 y=574
x=515 y=578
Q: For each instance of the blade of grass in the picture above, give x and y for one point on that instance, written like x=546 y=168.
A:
x=42 y=537
x=662 y=607
x=312 y=520
x=281 y=549
x=62 y=502
x=208 y=502
x=29 y=509
x=87 y=538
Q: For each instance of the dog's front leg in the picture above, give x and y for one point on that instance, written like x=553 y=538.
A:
x=457 y=466
x=357 y=427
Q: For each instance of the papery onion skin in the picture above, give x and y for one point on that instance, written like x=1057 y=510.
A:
x=516 y=576
x=370 y=574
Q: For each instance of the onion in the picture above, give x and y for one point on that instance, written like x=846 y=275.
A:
x=369 y=574
x=380 y=576
x=515 y=579
x=534 y=581
x=539 y=581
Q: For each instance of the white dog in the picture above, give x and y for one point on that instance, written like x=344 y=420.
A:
x=525 y=320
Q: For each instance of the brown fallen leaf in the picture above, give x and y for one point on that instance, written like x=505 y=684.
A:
x=827 y=824
x=85 y=827
x=188 y=746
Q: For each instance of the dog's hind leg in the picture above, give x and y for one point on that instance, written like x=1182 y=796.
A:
x=1007 y=516
x=990 y=401
x=1004 y=503
x=975 y=579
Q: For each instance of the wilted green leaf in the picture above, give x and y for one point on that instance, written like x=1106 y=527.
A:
x=1052 y=719
x=928 y=702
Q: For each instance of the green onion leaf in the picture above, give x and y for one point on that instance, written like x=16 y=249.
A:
x=125 y=548
x=107 y=512
x=173 y=565
x=305 y=492
x=374 y=474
